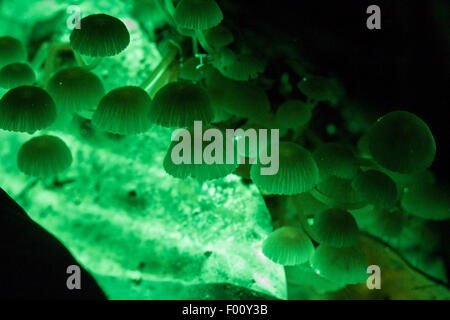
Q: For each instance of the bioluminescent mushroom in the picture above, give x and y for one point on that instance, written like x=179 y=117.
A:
x=198 y=14
x=219 y=37
x=297 y=172
x=100 y=35
x=336 y=228
x=288 y=246
x=123 y=111
x=11 y=51
x=427 y=201
x=303 y=276
x=388 y=224
x=244 y=68
x=338 y=193
x=402 y=142
x=343 y=265
x=191 y=71
x=246 y=100
x=76 y=89
x=44 y=156
x=293 y=114
x=376 y=187
x=335 y=159
x=15 y=75
x=208 y=169
x=26 y=109
x=222 y=58
x=179 y=104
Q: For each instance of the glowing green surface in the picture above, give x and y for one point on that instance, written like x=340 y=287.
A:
x=141 y=233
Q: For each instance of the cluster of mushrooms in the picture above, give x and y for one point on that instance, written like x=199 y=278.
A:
x=334 y=183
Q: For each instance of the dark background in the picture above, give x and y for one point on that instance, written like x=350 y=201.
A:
x=403 y=66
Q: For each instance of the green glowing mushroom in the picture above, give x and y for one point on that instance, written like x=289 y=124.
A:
x=304 y=276
x=179 y=104
x=293 y=114
x=288 y=246
x=376 y=188
x=180 y=160
x=342 y=265
x=401 y=142
x=191 y=71
x=44 y=156
x=198 y=14
x=338 y=193
x=76 y=89
x=388 y=224
x=123 y=111
x=26 y=109
x=336 y=228
x=219 y=37
x=246 y=100
x=100 y=35
x=222 y=58
x=335 y=159
x=11 y=50
x=15 y=75
x=427 y=201
x=245 y=67
x=297 y=172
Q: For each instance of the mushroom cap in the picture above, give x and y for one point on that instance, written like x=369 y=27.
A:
x=343 y=265
x=190 y=72
x=293 y=114
x=44 y=156
x=76 y=89
x=198 y=14
x=219 y=37
x=11 y=50
x=288 y=246
x=303 y=275
x=401 y=142
x=334 y=159
x=336 y=228
x=123 y=111
x=179 y=104
x=26 y=109
x=100 y=35
x=376 y=188
x=201 y=172
x=223 y=57
x=387 y=224
x=297 y=172
x=246 y=100
x=427 y=201
x=244 y=68
x=338 y=193
x=16 y=74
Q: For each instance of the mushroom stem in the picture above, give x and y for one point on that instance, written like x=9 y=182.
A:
x=40 y=56
x=194 y=46
x=151 y=81
x=170 y=75
x=50 y=61
x=170 y=7
x=201 y=38
x=166 y=11
x=93 y=64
